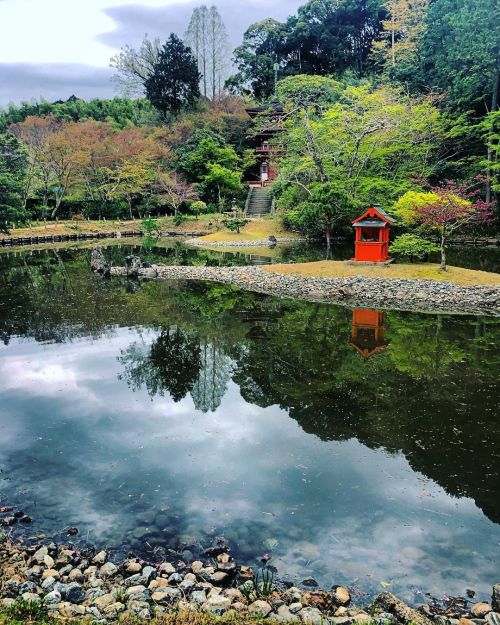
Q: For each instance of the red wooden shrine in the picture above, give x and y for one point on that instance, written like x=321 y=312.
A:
x=367 y=336
x=372 y=236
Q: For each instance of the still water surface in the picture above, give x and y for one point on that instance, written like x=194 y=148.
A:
x=359 y=447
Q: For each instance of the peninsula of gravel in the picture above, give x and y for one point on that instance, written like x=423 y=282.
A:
x=352 y=290
x=64 y=582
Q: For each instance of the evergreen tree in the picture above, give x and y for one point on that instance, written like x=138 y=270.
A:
x=13 y=163
x=174 y=82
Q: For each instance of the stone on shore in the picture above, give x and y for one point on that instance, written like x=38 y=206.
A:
x=387 y=602
x=480 y=610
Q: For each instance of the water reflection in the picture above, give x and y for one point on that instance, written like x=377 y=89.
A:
x=165 y=415
x=367 y=335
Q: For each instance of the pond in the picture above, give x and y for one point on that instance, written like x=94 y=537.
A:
x=359 y=447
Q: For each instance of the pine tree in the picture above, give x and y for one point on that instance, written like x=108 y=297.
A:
x=174 y=82
x=13 y=163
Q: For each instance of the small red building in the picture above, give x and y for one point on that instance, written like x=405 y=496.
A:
x=367 y=335
x=372 y=236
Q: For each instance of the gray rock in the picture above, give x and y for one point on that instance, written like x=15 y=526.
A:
x=385 y=618
x=93 y=593
x=48 y=582
x=108 y=570
x=198 y=597
x=74 y=593
x=133 y=266
x=175 y=578
x=98 y=263
x=311 y=616
x=149 y=573
x=284 y=614
x=493 y=618
x=260 y=607
x=94 y=612
x=310 y=582
x=27 y=587
x=186 y=585
x=53 y=597
x=295 y=607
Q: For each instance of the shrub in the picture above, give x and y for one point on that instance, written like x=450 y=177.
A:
x=149 y=226
x=412 y=247
x=27 y=611
x=198 y=207
x=235 y=224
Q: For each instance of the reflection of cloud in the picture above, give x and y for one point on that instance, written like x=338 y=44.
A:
x=115 y=462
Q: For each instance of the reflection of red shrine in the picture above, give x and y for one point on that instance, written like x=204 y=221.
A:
x=270 y=118
x=372 y=236
x=367 y=336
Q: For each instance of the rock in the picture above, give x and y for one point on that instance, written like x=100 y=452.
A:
x=48 y=561
x=186 y=585
x=311 y=616
x=320 y=599
x=198 y=597
x=48 y=582
x=53 y=597
x=234 y=594
x=219 y=577
x=100 y=265
x=8 y=521
x=480 y=610
x=295 y=607
x=51 y=573
x=341 y=595
x=30 y=596
x=246 y=573
x=385 y=618
x=217 y=604
x=104 y=601
x=93 y=593
x=465 y=621
x=283 y=614
x=100 y=558
x=259 y=607
x=148 y=573
x=387 y=602
x=310 y=582
x=133 y=567
x=495 y=598
x=108 y=570
x=27 y=587
x=218 y=546
x=196 y=566
x=94 y=613
x=69 y=610
x=166 y=596
x=40 y=554
x=75 y=575
x=239 y=607
x=167 y=569
x=133 y=265
x=113 y=610
x=25 y=519
x=493 y=618
x=362 y=618
x=135 y=590
x=175 y=578
x=7 y=602
x=73 y=593
x=140 y=609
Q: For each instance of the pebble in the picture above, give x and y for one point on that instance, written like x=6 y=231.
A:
x=261 y=608
x=480 y=610
x=311 y=616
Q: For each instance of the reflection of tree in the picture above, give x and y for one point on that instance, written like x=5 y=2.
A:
x=172 y=364
x=211 y=385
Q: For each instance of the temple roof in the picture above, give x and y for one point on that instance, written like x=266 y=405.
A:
x=373 y=214
x=370 y=223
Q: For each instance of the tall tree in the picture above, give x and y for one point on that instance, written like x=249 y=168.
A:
x=401 y=33
x=133 y=67
x=174 y=82
x=13 y=165
x=207 y=37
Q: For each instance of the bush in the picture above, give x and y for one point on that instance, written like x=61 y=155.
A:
x=22 y=610
x=198 y=207
x=235 y=224
x=149 y=226
x=412 y=247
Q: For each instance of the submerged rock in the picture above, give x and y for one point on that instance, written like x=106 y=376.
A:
x=98 y=264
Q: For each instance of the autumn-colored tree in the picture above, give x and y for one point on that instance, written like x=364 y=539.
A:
x=174 y=191
x=456 y=206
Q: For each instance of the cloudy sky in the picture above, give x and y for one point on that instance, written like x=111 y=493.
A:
x=56 y=48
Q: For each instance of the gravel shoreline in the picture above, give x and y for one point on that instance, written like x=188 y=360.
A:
x=256 y=243
x=399 y=294
x=85 y=584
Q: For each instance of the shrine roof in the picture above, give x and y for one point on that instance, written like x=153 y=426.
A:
x=370 y=223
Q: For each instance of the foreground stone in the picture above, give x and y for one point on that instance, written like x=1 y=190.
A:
x=402 y=294
x=389 y=603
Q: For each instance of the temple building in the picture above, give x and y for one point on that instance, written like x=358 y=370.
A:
x=269 y=119
x=367 y=334
x=372 y=236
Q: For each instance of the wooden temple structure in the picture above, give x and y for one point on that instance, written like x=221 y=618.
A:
x=268 y=125
x=372 y=229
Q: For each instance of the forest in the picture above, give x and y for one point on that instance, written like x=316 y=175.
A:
x=389 y=102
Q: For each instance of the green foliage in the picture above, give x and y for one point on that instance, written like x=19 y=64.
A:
x=235 y=224
x=204 y=149
x=412 y=247
x=150 y=226
x=27 y=611
x=198 y=207
x=174 y=81
x=120 y=112
x=13 y=166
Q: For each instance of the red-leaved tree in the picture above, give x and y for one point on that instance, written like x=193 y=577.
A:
x=456 y=206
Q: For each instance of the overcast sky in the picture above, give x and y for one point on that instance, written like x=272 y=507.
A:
x=56 y=48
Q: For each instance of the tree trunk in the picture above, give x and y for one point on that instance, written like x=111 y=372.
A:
x=494 y=106
x=442 y=267
x=328 y=234
x=129 y=202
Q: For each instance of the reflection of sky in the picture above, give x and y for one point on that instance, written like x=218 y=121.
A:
x=79 y=447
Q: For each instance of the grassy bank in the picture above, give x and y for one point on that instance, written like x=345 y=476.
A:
x=204 y=223
x=255 y=230
x=423 y=271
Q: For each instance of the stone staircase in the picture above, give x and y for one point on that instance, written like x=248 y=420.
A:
x=259 y=202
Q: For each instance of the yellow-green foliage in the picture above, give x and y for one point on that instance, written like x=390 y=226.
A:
x=404 y=208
